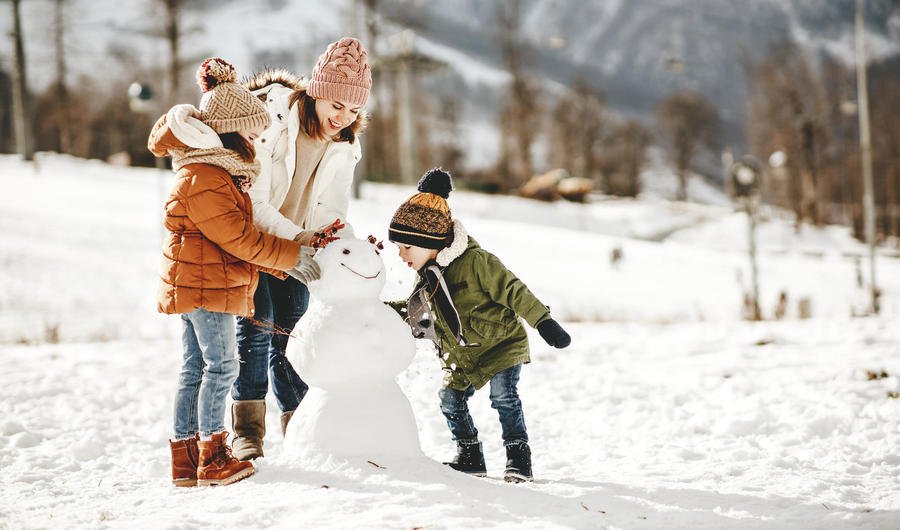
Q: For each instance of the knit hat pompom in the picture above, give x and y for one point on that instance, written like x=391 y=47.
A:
x=214 y=72
x=436 y=181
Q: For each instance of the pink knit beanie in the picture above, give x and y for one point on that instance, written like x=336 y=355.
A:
x=342 y=73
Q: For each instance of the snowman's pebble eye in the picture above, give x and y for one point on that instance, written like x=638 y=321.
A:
x=346 y=251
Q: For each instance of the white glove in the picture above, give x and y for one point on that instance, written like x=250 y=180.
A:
x=306 y=269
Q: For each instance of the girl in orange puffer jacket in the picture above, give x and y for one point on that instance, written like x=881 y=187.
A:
x=211 y=258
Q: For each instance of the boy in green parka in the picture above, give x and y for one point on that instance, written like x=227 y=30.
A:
x=469 y=304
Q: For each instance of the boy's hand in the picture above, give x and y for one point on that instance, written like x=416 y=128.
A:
x=554 y=334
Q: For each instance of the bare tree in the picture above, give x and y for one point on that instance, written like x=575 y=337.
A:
x=885 y=104
x=446 y=145
x=624 y=156
x=61 y=89
x=580 y=119
x=374 y=161
x=841 y=164
x=688 y=121
x=787 y=113
x=6 y=105
x=519 y=121
x=173 y=36
x=21 y=97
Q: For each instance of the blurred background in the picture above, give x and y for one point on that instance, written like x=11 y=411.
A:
x=500 y=91
x=586 y=101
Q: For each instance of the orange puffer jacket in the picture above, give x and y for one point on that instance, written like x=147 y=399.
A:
x=212 y=253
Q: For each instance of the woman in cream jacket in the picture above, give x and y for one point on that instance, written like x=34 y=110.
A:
x=308 y=157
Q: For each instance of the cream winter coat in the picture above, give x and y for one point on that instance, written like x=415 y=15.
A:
x=276 y=152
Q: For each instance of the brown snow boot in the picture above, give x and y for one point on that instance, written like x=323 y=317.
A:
x=218 y=467
x=185 y=455
x=285 y=419
x=248 y=419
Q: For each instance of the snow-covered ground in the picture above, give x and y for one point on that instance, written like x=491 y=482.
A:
x=667 y=411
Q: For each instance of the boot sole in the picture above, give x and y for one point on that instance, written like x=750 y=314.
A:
x=245 y=449
x=516 y=478
x=240 y=475
x=481 y=474
x=184 y=482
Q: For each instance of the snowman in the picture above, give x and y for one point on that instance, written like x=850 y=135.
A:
x=350 y=347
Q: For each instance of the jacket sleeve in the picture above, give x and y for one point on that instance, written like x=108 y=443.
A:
x=334 y=202
x=214 y=210
x=506 y=289
x=266 y=216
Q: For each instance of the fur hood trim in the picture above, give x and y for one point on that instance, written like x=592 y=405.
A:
x=271 y=76
x=459 y=245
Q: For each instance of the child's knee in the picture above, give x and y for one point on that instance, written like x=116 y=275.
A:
x=450 y=398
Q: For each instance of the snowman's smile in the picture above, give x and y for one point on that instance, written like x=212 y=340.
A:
x=361 y=275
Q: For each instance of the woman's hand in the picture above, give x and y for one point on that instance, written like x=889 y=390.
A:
x=321 y=237
x=326 y=234
x=305 y=238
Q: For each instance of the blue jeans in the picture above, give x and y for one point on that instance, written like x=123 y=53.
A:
x=261 y=350
x=504 y=399
x=208 y=371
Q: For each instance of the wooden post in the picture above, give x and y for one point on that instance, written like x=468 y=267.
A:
x=865 y=147
x=21 y=98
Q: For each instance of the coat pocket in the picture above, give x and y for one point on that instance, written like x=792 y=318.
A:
x=490 y=329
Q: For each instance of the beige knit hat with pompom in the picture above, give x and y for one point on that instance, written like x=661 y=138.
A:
x=227 y=106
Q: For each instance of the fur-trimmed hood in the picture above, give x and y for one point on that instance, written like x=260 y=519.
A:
x=459 y=245
x=273 y=76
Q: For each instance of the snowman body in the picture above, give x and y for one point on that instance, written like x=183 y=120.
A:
x=349 y=348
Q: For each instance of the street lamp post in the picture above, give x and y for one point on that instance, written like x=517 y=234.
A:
x=141 y=100
x=745 y=174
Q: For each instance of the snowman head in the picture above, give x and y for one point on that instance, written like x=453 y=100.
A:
x=351 y=269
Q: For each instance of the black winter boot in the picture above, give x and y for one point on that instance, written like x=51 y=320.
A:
x=518 y=463
x=469 y=459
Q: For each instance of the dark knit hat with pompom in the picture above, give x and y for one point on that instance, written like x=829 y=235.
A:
x=227 y=106
x=424 y=220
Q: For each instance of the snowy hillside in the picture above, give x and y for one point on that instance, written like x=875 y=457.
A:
x=639 y=51
x=667 y=411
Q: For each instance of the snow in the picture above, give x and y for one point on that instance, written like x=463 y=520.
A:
x=666 y=411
